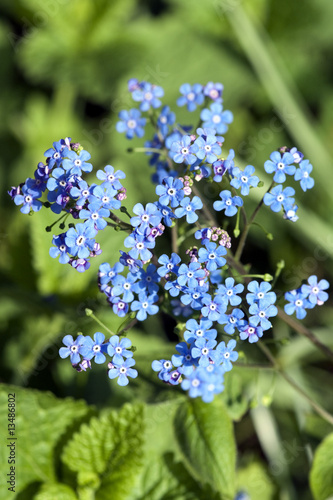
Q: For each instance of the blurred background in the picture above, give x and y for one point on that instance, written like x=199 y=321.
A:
x=63 y=72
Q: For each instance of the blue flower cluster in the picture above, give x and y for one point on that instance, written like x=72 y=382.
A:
x=200 y=288
x=281 y=164
x=201 y=362
x=306 y=297
x=85 y=349
x=61 y=179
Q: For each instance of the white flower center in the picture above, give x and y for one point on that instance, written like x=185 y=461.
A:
x=185 y=151
x=280 y=165
x=299 y=303
x=77 y=162
x=216 y=119
x=148 y=96
x=131 y=124
x=56 y=156
x=280 y=197
x=251 y=330
x=191 y=96
x=213 y=94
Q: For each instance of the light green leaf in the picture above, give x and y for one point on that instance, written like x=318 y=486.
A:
x=255 y=481
x=205 y=436
x=166 y=479
x=107 y=453
x=55 y=491
x=42 y=421
x=321 y=475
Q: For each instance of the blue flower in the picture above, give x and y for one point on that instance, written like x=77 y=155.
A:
x=207 y=148
x=94 y=348
x=76 y=163
x=165 y=119
x=148 y=95
x=189 y=275
x=213 y=307
x=228 y=203
x=106 y=273
x=232 y=321
x=55 y=155
x=133 y=264
x=28 y=200
x=81 y=191
x=260 y=293
x=298 y=303
x=124 y=286
x=163 y=367
x=298 y=156
x=171 y=192
x=279 y=197
x=290 y=210
x=314 y=291
x=166 y=213
x=203 y=350
x=119 y=307
x=117 y=349
x=303 y=174
x=250 y=332
x=261 y=313
x=123 y=371
x=105 y=195
x=148 y=280
x=61 y=249
x=192 y=96
x=95 y=215
x=195 y=383
x=184 y=360
x=229 y=292
x=216 y=118
x=212 y=256
x=214 y=91
x=144 y=306
x=169 y=265
x=145 y=216
x=195 y=330
x=188 y=208
x=110 y=177
x=194 y=296
x=183 y=151
x=131 y=123
x=139 y=245
x=80 y=240
x=72 y=348
x=281 y=165
x=222 y=166
x=244 y=179
x=225 y=354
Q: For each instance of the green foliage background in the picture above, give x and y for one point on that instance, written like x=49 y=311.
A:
x=63 y=72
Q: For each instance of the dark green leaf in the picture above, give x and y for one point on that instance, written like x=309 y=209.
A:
x=321 y=475
x=205 y=436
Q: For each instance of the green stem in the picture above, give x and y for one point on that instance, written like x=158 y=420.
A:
x=321 y=411
x=242 y=240
x=90 y=313
x=174 y=238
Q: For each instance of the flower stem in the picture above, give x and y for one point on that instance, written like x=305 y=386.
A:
x=90 y=313
x=242 y=240
x=318 y=409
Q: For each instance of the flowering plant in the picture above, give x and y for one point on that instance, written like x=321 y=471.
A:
x=205 y=286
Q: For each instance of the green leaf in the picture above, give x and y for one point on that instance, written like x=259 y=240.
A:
x=233 y=395
x=107 y=453
x=255 y=481
x=55 y=491
x=42 y=423
x=321 y=475
x=205 y=436
x=167 y=479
